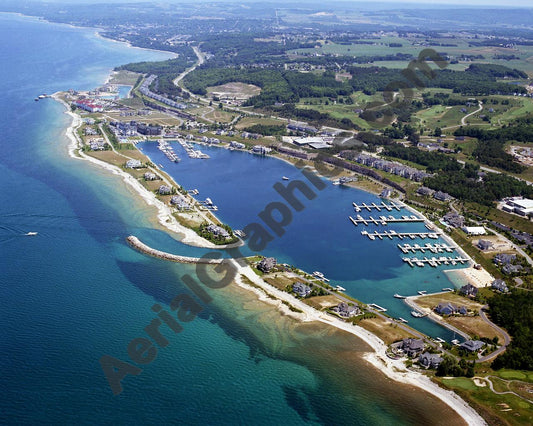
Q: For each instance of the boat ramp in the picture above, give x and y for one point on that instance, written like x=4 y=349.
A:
x=433 y=248
x=401 y=235
x=389 y=207
x=383 y=220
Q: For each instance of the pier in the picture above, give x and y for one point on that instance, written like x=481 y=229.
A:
x=435 y=261
x=400 y=235
x=191 y=152
x=383 y=220
x=389 y=207
x=377 y=307
x=433 y=248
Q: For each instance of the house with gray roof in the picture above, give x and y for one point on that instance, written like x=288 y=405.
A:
x=267 y=264
x=499 y=285
x=484 y=244
x=301 y=289
x=412 y=347
x=164 y=190
x=429 y=360
x=472 y=345
x=468 y=290
x=150 y=176
x=218 y=231
x=133 y=164
x=180 y=202
x=346 y=311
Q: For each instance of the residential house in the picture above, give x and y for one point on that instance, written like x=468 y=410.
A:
x=442 y=196
x=412 y=347
x=468 y=290
x=266 y=264
x=301 y=289
x=150 y=176
x=425 y=191
x=429 y=360
x=484 y=244
x=504 y=259
x=164 y=190
x=346 y=311
x=180 y=202
x=445 y=309
x=472 y=345
x=499 y=285
x=218 y=231
x=454 y=220
x=133 y=164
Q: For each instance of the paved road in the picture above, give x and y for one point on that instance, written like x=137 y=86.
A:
x=507 y=338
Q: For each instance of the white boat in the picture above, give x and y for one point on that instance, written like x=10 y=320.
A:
x=31 y=234
x=336 y=182
x=455 y=342
x=422 y=292
x=285 y=178
x=402 y=320
x=339 y=288
x=417 y=314
x=399 y=296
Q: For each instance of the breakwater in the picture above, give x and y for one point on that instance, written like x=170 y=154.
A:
x=143 y=248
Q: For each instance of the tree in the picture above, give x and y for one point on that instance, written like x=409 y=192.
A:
x=437 y=132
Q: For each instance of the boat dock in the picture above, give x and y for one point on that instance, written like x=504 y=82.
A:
x=383 y=220
x=400 y=235
x=377 y=307
x=389 y=207
x=435 y=261
x=166 y=149
x=433 y=248
x=191 y=152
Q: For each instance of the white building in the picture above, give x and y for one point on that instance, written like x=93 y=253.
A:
x=474 y=230
x=521 y=206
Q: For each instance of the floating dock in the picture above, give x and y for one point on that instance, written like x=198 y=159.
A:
x=400 y=235
x=435 y=261
x=383 y=220
x=433 y=248
x=389 y=207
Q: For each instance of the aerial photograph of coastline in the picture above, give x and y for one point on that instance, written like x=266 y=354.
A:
x=240 y=212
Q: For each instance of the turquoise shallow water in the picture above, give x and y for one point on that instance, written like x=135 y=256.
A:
x=76 y=291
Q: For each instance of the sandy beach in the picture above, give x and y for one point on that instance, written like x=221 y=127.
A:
x=476 y=277
x=394 y=369
x=164 y=213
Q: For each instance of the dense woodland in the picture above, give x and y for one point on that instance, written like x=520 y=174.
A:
x=514 y=312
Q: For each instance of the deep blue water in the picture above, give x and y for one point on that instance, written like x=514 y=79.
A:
x=76 y=291
x=320 y=236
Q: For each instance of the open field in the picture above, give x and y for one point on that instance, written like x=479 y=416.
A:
x=220 y=115
x=434 y=299
x=387 y=331
x=250 y=121
x=233 y=90
x=124 y=77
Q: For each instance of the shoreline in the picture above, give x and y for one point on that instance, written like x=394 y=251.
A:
x=164 y=214
x=394 y=369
